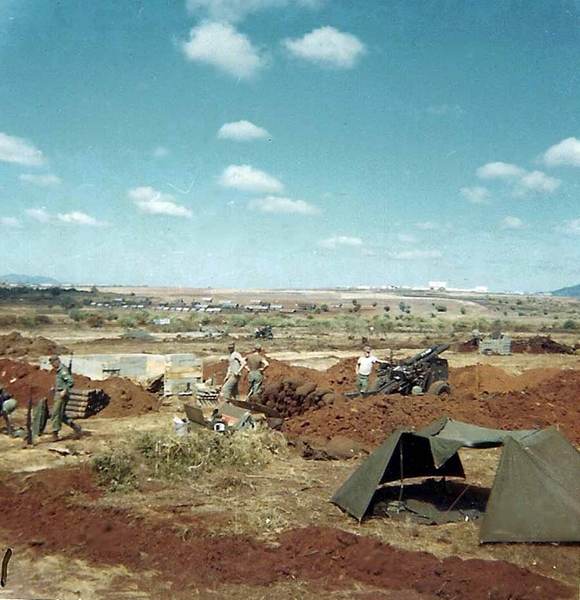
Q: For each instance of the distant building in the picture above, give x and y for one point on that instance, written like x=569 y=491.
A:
x=164 y=321
x=437 y=285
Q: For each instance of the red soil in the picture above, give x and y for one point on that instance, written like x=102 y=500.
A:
x=482 y=395
x=15 y=345
x=127 y=398
x=188 y=558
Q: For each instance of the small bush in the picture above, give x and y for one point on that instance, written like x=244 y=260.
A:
x=26 y=321
x=95 y=321
x=115 y=471
x=42 y=320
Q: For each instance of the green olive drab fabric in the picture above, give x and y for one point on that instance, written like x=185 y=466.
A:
x=536 y=493
x=535 y=496
x=403 y=455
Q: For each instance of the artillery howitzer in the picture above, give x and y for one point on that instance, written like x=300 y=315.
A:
x=425 y=371
x=264 y=333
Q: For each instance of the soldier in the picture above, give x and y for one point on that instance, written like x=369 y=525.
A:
x=62 y=387
x=364 y=367
x=235 y=365
x=7 y=406
x=256 y=364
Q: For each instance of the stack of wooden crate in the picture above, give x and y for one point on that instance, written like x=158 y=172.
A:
x=83 y=404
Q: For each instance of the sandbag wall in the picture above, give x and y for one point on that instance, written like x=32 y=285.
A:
x=295 y=396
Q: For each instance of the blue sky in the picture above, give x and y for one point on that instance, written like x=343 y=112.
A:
x=291 y=143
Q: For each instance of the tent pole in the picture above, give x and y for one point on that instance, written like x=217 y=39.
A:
x=401 y=473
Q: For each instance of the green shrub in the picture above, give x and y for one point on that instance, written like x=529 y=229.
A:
x=42 y=320
x=26 y=321
x=116 y=471
x=95 y=320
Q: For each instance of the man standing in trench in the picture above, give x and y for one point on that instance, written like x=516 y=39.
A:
x=235 y=365
x=256 y=364
x=364 y=367
x=62 y=387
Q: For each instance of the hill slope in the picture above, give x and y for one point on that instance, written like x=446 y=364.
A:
x=28 y=279
x=572 y=291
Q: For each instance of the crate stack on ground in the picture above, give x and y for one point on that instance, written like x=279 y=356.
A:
x=83 y=404
x=206 y=396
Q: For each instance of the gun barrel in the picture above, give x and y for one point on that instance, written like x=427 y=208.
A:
x=426 y=354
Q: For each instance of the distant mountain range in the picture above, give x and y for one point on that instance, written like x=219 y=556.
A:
x=572 y=291
x=28 y=279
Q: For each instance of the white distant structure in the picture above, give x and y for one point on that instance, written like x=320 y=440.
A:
x=481 y=289
x=437 y=285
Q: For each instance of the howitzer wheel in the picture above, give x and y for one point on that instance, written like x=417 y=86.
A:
x=438 y=388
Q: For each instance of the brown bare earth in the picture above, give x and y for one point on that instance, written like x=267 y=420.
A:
x=271 y=532
x=328 y=558
x=23 y=381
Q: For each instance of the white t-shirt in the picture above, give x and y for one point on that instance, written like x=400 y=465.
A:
x=235 y=361
x=365 y=364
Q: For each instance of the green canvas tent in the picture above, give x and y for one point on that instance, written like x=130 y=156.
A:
x=536 y=493
x=535 y=496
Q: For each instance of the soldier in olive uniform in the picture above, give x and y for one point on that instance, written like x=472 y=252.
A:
x=63 y=384
x=256 y=364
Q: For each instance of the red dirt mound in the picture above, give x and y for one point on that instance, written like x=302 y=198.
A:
x=481 y=378
x=540 y=345
x=278 y=371
x=328 y=559
x=545 y=401
x=127 y=398
x=15 y=345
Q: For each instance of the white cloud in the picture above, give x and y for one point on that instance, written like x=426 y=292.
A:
x=39 y=180
x=79 y=218
x=242 y=131
x=500 y=170
x=19 y=151
x=523 y=182
x=476 y=195
x=39 y=214
x=248 y=179
x=405 y=238
x=340 y=240
x=327 y=46
x=538 y=181
x=571 y=227
x=151 y=201
x=10 y=222
x=221 y=46
x=275 y=204
x=236 y=10
x=416 y=254
x=160 y=152
x=428 y=226
x=567 y=152
x=511 y=223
